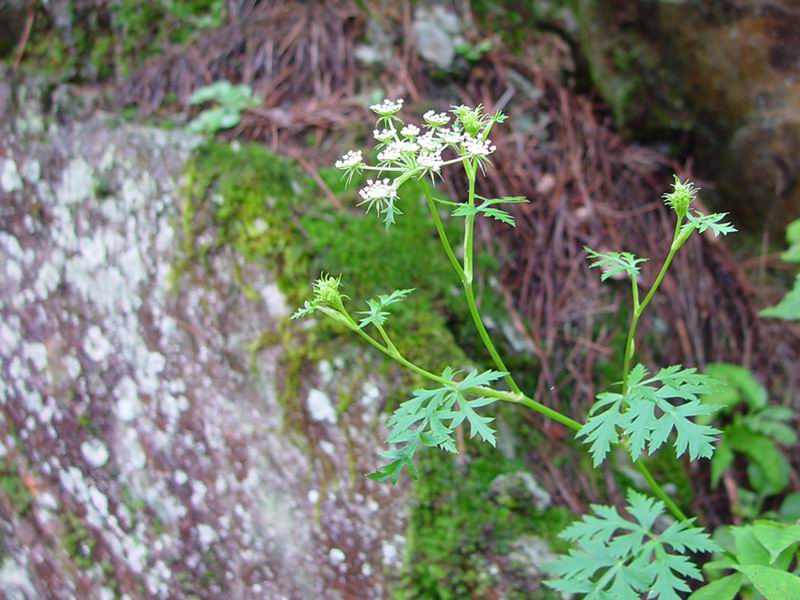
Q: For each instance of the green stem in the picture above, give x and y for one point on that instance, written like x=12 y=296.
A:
x=487 y=341
x=467 y=281
x=659 y=491
x=515 y=397
x=437 y=220
x=469 y=225
x=638 y=308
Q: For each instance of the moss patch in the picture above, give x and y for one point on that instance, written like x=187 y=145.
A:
x=456 y=530
x=91 y=43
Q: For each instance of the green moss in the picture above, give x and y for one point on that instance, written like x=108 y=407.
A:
x=454 y=525
x=101 y=43
x=14 y=488
x=77 y=542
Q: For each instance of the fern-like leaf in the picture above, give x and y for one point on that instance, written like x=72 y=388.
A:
x=650 y=413
x=430 y=416
x=700 y=222
x=619 y=558
x=376 y=315
x=612 y=263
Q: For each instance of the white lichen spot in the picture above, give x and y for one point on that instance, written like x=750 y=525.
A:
x=320 y=407
x=199 y=491
x=37 y=354
x=96 y=346
x=32 y=170
x=99 y=500
x=206 y=534
x=73 y=366
x=77 y=182
x=336 y=556
x=10 y=181
x=47 y=280
x=95 y=452
x=275 y=301
x=13 y=270
x=128 y=404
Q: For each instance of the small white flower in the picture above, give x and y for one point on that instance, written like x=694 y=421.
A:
x=435 y=119
x=410 y=131
x=430 y=160
x=383 y=135
x=428 y=143
x=451 y=136
x=404 y=146
x=389 y=153
x=387 y=108
x=378 y=191
x=476 y=147
x=350 y=160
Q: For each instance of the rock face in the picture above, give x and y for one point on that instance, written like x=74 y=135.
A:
x=728 y=72
x=141 y=456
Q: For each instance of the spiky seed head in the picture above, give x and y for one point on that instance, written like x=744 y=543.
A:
x=326 y=291
x=470 y=119
x=681 y=197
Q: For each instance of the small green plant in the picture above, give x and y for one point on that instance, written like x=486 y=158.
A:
x=231 y=100
x=752 y=428
x=755 y=558
x=473 y=52
x=618 y=556
x=789 y=307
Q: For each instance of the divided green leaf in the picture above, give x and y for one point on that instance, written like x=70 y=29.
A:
x=464 y=210
x=376 y=315
x=622 y=558
x=430 y=418
x=648 y=414
x=612 y=263
x=700 y=222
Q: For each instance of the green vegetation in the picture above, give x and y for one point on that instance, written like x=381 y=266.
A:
x=230 y=101
x=456 y=522
x=753 y=429
x=614 y=556
x=99 y=43
x=14 y=488
x=789 y=307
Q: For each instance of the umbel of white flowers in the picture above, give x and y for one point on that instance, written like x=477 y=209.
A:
x=405 y=150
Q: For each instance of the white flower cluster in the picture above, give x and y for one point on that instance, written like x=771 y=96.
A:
x=434 y=119
x=409 y=131
x=430 y=160
x=350 y=160
x=387 y=108
x=383 y=135
x=478 y=147
x=407 y=150
x=380 y=192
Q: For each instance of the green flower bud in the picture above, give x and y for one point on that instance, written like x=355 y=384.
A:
x=326 y=291
x=470 y=119
x=681 y=197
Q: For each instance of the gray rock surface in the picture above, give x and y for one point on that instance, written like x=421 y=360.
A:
x=140 y=454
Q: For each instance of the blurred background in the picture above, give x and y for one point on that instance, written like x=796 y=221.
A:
x=167 y=196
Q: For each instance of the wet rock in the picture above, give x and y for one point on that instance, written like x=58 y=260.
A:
x=519 y=487
x=437 y=33
x=141 y=456
x=727 y=71
x=533 y=553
